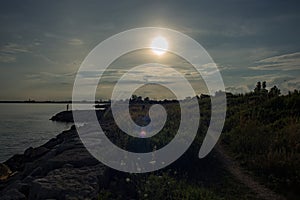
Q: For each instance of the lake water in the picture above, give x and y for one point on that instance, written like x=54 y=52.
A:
x=25 y=125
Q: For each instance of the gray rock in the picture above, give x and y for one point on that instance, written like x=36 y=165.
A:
x=35 y=152
x=13 y=194
x=28 y=151
x=66 y=183
x=77 y=157
x=60 y=169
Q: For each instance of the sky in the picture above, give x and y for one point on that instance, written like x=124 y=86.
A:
x=43 y=43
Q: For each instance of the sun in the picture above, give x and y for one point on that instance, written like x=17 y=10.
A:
x=159 y=45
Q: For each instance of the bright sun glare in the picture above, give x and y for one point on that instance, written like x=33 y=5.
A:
x=159 y=45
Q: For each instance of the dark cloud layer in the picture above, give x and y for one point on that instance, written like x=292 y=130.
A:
x=42 y=41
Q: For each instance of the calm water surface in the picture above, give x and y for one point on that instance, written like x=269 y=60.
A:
x=25 y=125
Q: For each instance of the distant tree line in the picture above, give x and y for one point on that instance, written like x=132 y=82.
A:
x=261 y=89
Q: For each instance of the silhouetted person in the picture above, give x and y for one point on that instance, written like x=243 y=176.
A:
x=67 y=107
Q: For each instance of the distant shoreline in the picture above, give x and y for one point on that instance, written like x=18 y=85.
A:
x=56 y=102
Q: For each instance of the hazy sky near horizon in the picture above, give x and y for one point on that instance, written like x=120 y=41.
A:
x=42 y=43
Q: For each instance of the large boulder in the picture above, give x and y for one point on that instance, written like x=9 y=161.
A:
x=13 y=194
x=68 y=183
x=60 y=169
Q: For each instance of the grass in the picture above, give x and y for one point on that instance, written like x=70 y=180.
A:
x=262 y=132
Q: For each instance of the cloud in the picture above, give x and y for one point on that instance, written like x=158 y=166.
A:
x=6 y=58
x=75 y=42
x=285 y=82
x=265 y=77
x=51 y=78
x=52 y=35
x=209 y=69
x=67 y=39
x=8 y=51
x=239 y=40
x=238 y=89
x=14 y=48
x=285 y=62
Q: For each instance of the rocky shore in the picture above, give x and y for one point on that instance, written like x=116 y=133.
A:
x=85 y=115
x=60 y=169
x=64 y=116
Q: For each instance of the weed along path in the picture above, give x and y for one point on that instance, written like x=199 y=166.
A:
x=234 y=168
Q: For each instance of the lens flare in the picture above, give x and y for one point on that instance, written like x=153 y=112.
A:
x=159 y=45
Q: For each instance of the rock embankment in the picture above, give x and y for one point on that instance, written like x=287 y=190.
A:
x=83 y=116
x=60 y=169
x=64 y=116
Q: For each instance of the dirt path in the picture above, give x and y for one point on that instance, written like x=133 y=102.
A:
x=234 y=168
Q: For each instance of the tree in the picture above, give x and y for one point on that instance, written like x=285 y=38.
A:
x=264 y=90
x=264 y=85
x=139 y=99
x=274 y=91
x=258 y=87
x=133 y=98
x=146 y=99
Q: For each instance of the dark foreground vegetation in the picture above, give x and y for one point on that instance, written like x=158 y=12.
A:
x=261 y=134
